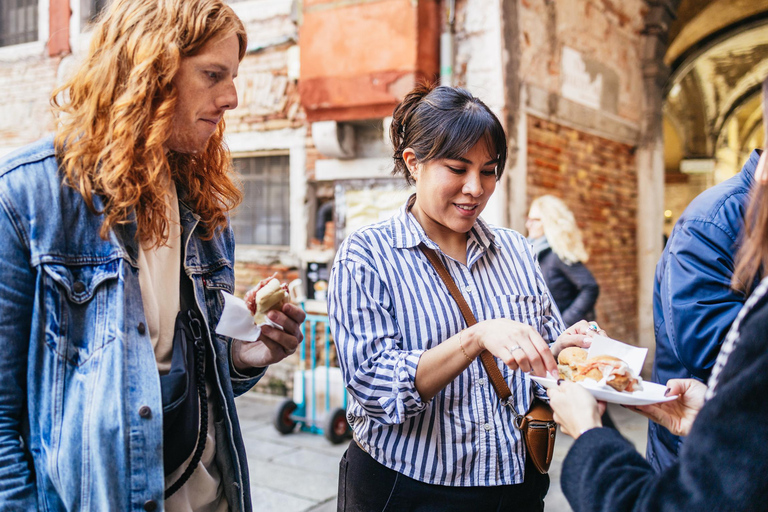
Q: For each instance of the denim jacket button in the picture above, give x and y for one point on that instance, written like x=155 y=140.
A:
x=150 y=505
x=142 y=328
x=79 y=287
x=145 y=412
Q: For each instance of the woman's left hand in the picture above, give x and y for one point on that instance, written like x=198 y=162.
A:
x=576 y=410
x=678 y=415
x=577 y=335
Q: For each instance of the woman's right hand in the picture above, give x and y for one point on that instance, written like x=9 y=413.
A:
x=677 y=416
x=518 y=345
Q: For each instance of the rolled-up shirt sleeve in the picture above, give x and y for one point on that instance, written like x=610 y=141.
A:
x=378 y=370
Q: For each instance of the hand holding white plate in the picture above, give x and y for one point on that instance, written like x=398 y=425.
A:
x=651 y=393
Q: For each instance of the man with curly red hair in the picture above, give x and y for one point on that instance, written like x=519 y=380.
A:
x=104 y=226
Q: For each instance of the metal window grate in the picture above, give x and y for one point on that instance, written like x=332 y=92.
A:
x=90 y=9
x=18 y=21
x=263 y=218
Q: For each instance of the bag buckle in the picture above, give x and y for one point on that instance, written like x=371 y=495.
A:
x=519 y=418
x=196 y=327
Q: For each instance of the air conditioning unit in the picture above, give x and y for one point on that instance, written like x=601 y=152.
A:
x=333 y=139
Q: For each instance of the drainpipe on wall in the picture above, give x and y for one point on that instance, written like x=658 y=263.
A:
x=446 y=45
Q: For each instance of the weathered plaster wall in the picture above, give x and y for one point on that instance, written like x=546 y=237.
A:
x=606 y=33
x=25 y=88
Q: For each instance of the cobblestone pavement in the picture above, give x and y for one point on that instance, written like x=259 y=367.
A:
x=298 y=472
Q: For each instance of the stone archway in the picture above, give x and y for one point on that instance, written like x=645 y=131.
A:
x=714 y=54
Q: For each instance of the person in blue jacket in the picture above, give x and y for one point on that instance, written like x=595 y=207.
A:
x=693 y=303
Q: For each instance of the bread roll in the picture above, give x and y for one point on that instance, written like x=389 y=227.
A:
x=270 y=296
x=572 y=356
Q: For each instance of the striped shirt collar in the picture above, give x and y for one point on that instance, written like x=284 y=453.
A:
x=407 y=232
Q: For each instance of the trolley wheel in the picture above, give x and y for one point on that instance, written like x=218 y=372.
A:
x=336 y=426
x=283 y=421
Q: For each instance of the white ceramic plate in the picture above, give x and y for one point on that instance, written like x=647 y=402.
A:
x=651 y=393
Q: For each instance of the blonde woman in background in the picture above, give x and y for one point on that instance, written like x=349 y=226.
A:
x=557 y=241
x=560 y=249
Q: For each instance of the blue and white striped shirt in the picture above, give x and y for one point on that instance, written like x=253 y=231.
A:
x=387 y=305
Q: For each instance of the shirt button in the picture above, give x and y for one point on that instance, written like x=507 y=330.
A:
x=488 y=426
x=481 y=382
x=79 y=287
x=150 y=505
x=142 y=328
x=468 y=289
x=145 y=412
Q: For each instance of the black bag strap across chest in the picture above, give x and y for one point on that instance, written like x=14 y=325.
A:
x=185 y=398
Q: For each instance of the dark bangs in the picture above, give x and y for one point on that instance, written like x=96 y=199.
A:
x=456 y=135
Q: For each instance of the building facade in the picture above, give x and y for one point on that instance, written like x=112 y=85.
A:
x=606 y=104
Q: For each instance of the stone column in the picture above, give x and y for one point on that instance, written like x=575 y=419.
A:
x=650 y=165
x=515 y=179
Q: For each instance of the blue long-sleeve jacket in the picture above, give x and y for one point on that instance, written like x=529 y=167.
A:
x=693 y=303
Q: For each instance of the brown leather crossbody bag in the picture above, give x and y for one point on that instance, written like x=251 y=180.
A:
x=537 y=426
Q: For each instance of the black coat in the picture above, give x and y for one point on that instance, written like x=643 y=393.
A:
x=723 y=463
x=573 y=287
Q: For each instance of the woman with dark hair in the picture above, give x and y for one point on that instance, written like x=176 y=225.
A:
x=722 y=463
x=430 y=433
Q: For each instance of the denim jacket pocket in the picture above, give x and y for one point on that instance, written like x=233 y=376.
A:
x=526 y=309
x=214 y=282
x=79 y=321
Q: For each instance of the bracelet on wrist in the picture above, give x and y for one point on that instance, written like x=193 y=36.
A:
x=462 y=349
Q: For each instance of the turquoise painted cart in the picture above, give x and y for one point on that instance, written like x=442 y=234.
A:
x=319 y=403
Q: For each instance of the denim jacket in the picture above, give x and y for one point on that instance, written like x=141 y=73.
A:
x=80 y=406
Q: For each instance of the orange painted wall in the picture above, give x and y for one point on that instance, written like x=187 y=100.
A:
x=359 y=60
x=58 y=19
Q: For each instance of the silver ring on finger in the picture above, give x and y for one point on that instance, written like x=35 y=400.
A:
x=512 y=349
x=593 y=326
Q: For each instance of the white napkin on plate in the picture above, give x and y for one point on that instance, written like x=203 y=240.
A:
x=633 y=356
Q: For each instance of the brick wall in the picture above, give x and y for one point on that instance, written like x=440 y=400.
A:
x=248 y=274
x=25 y=88
x=596 y=177
x=268 y=98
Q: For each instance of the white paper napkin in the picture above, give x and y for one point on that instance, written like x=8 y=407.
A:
x=633 y=356
x=237 y=322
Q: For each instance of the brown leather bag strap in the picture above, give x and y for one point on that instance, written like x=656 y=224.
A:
x=497 y=379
